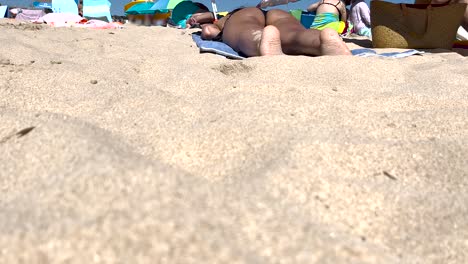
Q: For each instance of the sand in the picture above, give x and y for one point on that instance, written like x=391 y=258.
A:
x=129 y=146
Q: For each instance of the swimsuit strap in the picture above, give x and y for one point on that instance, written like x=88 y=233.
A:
x=336 y=6
x=339 y=1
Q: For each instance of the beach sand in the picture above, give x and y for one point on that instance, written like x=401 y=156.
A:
x=129 y=146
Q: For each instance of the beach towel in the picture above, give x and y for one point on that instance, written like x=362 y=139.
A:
x=97 y=9
x=326 y=20
x=99 y=24
x=223 y=49
x=330 y=20
x=60 y=19
x=373 y=53
x=27 y=14
x=462 y=34
x=306 y=18
x=3 y=10
x=216 y=47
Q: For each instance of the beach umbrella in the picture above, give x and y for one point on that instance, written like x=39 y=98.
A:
x=142 y=8
x=165 y=5
x=181 y=12
x=130 y=4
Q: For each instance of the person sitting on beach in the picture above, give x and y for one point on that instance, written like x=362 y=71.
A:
x=80 y=8
x=360 y=18
x=255 y=32
x=329 y=14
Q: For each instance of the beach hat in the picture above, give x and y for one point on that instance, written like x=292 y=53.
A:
x=415 y=25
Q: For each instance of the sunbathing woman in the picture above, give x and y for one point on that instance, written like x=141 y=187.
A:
x=254 y=32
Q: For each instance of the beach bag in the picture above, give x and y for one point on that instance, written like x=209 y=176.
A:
x=415 y=25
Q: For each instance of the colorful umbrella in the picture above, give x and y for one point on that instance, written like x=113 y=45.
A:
x=165 y=5
x=130 y=4
x=143 y=8
x=182 y=11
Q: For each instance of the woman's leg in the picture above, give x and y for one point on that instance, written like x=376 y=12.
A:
x=243 y=30
x=297 y=40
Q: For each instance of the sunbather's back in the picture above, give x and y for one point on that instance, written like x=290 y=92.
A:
x=336 y=7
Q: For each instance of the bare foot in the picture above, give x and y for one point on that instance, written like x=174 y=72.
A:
x=332 y=44
x=270 y=43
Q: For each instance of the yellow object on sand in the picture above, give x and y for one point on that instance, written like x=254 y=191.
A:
x=338 y=26
x=328 y=20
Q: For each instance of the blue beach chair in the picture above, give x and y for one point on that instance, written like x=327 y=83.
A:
x=65 y=6
x=97 y=9
x=3 y=10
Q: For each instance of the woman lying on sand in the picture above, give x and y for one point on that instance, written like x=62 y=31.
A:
x=255 y=32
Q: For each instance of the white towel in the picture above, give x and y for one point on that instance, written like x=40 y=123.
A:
x=462 y=34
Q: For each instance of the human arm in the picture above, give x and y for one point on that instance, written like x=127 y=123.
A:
x=365 y=14
x=200 y=18
x=344 y=11
x=212 y=30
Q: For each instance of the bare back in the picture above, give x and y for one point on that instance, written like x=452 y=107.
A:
x=329 y=6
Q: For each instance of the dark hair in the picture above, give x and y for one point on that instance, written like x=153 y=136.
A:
x=202 y=6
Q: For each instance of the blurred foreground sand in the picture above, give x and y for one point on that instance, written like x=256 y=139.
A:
x=128 y=146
